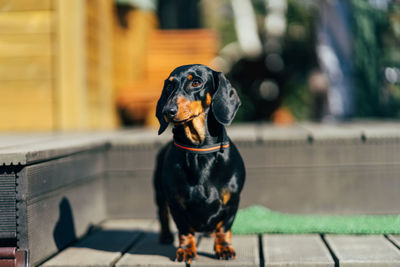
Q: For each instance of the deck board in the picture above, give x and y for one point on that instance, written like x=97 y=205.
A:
x=134 y=242
x=148 y=252
x=293 y=250
x=103 y=247
x=246 y=247
x=100 y=249
x=130 y=224
x=395 y=239
x=363 y=250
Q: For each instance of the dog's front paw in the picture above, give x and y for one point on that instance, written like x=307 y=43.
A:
x=185 y=254
x=224 y=251
x=223 y=245
x=187 y=248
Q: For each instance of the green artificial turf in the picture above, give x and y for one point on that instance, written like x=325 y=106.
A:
x=258 y=220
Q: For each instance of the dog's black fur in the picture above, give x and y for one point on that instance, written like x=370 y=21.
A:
x=201 y=191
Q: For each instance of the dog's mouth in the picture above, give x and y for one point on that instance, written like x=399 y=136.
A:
x=186 y=120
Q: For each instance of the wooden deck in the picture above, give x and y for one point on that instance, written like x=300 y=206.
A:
x=128 y=243
x=53 y=187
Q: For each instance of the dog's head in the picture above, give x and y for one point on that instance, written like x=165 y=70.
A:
x=190 y=91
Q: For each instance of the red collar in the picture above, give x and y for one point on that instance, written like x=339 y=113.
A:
x=203 y=149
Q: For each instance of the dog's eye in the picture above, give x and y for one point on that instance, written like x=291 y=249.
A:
x=196 y=83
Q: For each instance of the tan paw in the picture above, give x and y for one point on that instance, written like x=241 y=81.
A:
x=185 y=254
x=224 y=252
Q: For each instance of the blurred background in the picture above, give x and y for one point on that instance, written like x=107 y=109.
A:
x=100 y=64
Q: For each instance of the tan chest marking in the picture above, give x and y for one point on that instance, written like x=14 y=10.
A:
x=225 y=195
x=195 y=129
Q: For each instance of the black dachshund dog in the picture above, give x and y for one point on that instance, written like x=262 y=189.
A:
x=200 y=174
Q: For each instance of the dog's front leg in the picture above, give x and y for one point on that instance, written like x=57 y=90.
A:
x=223 y=244
x=187 y=242
x=187 y=248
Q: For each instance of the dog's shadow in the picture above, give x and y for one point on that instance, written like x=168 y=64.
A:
x=133 y=242
x=127 y=242
x=149 y=245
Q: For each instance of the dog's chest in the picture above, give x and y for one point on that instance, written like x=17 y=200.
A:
x=197 y=182
x=202 y=195
x=198 y=187
x=200 y=203
x=203 y=175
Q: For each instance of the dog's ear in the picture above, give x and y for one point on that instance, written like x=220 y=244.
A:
x=225 y=101
x=160 y=105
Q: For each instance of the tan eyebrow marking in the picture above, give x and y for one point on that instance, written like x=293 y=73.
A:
x=171 y=78
x=189 y=77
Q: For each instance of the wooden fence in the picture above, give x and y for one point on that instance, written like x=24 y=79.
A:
x=56 y=65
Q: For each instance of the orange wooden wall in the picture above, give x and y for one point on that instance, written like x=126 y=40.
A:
x=56 y=65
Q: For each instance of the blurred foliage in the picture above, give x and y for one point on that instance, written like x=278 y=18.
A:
x=226 y=28
x=296 y=48
x=247 y=107
x=376 y=36
x=299 y=100
x=299 y=56
x=219 y=15
x=375 y=39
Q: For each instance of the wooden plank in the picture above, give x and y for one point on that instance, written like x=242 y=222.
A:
x=26 y=22
x=325 y=132
x=310 y=189
x=144 y=225
x=70 y=67
x=130 y=46
x=144 y=161
x=25 y=5
x=148 y=252
x=38 y=179
x=246 y=132
x=11 y=89
x=130 y=224
x=68 y=213
x=374 y=132
x=133 y=188
x=99 y=78
x=26 y=68
x=292 y=134
x=363 y=250
x=60 y=145
x=35 y=116
x=25 y=45
x=292 y=250
x=102 y=248
x=21 y=139
x=395 y=239
x=246 y=247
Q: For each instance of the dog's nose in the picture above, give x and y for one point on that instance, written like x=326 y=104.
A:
x=171 y=112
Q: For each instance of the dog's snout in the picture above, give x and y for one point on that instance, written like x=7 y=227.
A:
x=171 y=112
